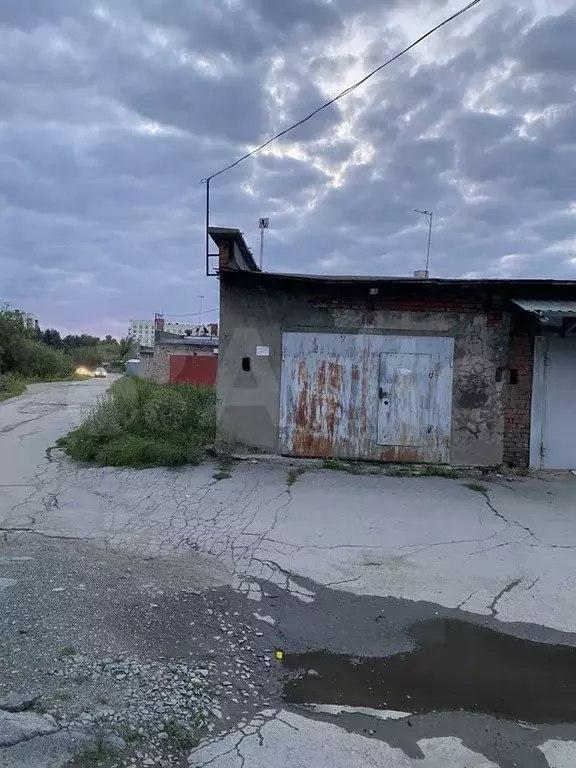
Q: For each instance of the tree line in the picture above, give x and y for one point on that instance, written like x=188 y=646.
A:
x=30 y=353
x=89 y=350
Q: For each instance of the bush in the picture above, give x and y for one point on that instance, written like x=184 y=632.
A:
x=37 y=360
x=11 y=386
x=141 y=424
x=24 y=356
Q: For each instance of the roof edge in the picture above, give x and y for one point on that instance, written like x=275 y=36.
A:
x=447 y=281
x=221 y=234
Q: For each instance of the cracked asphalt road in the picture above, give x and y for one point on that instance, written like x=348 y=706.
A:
x=338 y=562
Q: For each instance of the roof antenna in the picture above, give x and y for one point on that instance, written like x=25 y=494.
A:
x=429 y=216
x=263 y=224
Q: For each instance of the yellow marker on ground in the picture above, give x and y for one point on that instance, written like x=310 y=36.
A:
x=279 y=655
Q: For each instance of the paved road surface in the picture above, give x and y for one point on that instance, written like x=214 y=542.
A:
x=438 y=600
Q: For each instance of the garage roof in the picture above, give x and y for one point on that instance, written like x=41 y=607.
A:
x=540 y=307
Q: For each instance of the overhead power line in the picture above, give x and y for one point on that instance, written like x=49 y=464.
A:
x=194 y=314
x=345 y=92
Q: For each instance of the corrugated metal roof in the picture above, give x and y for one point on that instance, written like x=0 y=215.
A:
x=192 y=341
x=547 y=306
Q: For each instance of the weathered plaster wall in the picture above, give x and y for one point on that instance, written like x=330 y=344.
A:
x=249 y=401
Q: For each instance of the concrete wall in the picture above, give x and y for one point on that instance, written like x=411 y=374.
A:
x=162 y=353
x=248 y=402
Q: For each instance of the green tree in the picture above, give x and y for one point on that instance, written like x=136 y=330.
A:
x=24 y=355
x=51 y=337
x=127 y=349
x=73 y=341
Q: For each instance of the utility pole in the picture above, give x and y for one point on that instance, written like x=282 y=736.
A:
x=429 y=216
x=200 y=313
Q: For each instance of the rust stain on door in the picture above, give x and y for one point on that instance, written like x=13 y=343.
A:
x=318 y=408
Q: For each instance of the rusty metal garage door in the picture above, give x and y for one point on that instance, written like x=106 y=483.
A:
x=366 y=396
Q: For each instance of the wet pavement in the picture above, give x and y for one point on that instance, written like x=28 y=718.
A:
x=455 y=666
x=425 y=622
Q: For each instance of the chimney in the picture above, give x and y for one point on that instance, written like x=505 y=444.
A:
x=225 y=250
x=421 y=274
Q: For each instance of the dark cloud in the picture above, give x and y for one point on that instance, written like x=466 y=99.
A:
x=549 y=45
x=228 y=107
x=309 y=16
x=27 y=14
x=111 y=112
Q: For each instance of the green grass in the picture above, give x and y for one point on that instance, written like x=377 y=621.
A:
x=12 y=386
x=141 y=424
x=477 y=487
x=434 y=470
x=425 y=470
x=407 y=470
x=293 y=476
x=179 y=736
x=93 y=755
x=337 y=465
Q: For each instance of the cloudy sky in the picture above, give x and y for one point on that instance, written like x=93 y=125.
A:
x=111 y=111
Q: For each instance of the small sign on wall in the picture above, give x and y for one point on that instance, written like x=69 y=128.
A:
x=262 y=351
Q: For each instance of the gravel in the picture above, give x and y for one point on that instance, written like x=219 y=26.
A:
x=132 y=660
x=166 y=704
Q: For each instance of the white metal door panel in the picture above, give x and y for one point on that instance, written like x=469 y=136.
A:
x=558 y=449
x=415 y=396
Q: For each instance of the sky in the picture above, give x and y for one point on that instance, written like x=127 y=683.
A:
x=112 y=111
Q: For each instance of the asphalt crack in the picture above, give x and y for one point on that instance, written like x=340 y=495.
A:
x=35 y=532
x=463 y=603
x=508 y=588
x=484 y=492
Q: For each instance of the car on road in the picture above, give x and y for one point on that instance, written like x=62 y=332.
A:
x=100 y=373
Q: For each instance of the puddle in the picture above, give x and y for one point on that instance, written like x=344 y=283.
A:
x=454 y=666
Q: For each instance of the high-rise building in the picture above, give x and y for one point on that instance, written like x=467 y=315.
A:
x=142 y=331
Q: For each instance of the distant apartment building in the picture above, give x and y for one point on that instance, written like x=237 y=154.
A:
x=142 y=331
x=29 y=320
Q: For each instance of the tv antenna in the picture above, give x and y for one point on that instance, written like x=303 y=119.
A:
x=429 y=216
x=262 y=224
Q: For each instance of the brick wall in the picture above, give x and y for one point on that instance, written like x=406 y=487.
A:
x=163 y=352
x=519 y=398
x=376 y=304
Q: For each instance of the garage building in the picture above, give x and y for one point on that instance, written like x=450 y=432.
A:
x=462 y=372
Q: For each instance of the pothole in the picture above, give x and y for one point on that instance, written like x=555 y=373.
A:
x=455 y=665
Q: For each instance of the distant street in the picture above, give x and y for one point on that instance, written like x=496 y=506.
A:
x=416 y=615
